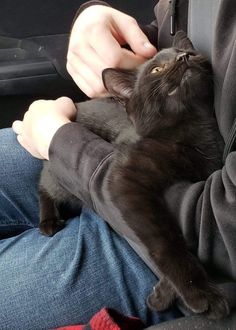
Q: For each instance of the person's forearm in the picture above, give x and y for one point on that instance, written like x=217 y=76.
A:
x=205 y=211
x=75 y=155
x=80 y=162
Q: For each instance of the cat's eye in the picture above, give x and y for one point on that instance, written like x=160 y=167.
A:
x=158 y=69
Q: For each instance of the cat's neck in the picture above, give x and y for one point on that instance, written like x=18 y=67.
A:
x=171 y=127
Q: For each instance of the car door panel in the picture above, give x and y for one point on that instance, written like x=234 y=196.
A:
x=34 y=39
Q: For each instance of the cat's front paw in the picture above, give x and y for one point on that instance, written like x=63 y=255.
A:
x=162 y=296
x=218 y=306
x=210 y=302
x=50 y=227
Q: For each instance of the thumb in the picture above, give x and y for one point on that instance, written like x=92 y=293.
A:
x=135 y=38
x=66 y=107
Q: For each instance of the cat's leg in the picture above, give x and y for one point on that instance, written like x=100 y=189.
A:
x=144 y=212
x=105 y=117
x=50 y=219
x=201 y=298
x=56 y=204
x=186 y=278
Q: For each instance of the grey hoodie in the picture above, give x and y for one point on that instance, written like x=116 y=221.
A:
x=205 y=211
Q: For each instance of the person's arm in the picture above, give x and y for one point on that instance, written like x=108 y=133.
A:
x=76 y=155
x=205 y=211
x=80 y=161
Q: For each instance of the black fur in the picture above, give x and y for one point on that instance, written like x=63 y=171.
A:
x=170 y=135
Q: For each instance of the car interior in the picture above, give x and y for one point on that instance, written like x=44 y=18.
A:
x=34 y=37
x=33 y=45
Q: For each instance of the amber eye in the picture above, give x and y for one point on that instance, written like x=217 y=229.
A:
x=160 y=68
x=157 y=69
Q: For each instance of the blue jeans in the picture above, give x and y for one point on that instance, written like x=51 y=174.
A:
x=53 y=281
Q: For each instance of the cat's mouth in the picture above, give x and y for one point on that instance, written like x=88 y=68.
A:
x=183 y=58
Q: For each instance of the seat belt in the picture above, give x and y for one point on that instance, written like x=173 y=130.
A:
x=201 y=24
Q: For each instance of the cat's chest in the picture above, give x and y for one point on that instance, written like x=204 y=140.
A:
x=127 y=137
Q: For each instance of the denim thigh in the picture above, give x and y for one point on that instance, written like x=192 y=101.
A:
x=53 y=281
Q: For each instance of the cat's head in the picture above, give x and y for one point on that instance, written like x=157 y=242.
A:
x=174 y=82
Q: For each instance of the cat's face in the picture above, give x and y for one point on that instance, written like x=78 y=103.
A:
x=172 y=82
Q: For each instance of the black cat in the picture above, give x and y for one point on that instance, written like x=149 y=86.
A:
x=170 y=135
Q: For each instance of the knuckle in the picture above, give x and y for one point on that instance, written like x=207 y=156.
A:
x=73 y=48
x=91 y=94
x=132 y=21
x=35 y=105
x=68 y=67
x=68 y=58
x=64 y=98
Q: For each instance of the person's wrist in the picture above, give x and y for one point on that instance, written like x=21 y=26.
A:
x=44 y=148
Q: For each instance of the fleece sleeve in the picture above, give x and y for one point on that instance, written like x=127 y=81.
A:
x=205 y=211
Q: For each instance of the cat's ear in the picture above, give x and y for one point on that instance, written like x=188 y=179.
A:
x=181 y=41
x=119 y=83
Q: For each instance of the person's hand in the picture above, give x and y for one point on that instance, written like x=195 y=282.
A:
x=95 y=44
x=41 y=122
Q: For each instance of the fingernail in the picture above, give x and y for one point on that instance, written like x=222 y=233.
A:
x=148 y=45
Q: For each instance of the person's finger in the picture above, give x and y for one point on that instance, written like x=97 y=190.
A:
x=86 y=79
x=111 y=51
x=134 y=36
x=84 y=66
x=66 y=107
x=17 y=126
x=88 y=55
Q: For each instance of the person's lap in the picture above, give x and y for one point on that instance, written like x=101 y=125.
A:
x=64 y=279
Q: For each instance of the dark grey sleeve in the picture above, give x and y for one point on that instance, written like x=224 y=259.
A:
x=205 y=211
x=75 y=156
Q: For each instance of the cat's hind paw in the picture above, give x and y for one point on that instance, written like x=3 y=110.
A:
x=50 y=227
x=209 y=302
x=218 y=305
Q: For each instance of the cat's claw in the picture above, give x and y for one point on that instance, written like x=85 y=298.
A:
x=162 y=296
x=51 y=226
